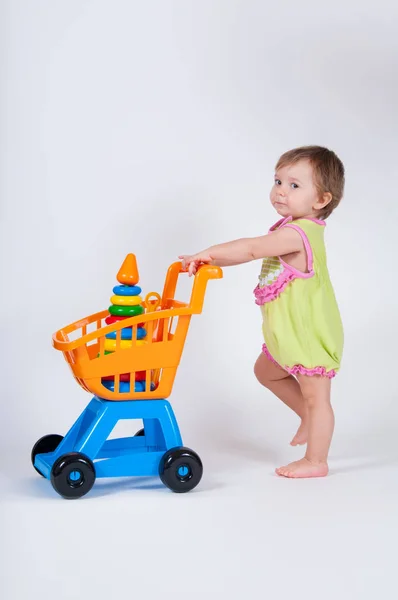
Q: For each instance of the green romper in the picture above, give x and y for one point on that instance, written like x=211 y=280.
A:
x=302 y=327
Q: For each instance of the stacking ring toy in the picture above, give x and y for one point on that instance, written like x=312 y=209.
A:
x=126 y=311
x=139 y=376
x=127 y=290
x=125 y=386
x=126 y=300
x=123 y=344
x=127 y=334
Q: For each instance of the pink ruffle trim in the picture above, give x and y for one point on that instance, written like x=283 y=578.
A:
x=299 y=369
x=270 y=292
x=269 y=356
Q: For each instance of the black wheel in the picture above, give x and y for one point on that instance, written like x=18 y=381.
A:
x=47 y=443
x=180 y=469
x=140 y=433
x=73 y=475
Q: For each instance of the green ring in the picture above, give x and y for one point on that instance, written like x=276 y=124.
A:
x=126 y=311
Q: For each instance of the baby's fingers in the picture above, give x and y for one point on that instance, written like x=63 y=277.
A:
x=192 y=268
x=185 y=261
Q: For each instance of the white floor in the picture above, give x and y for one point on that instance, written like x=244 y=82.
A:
x=243 y=533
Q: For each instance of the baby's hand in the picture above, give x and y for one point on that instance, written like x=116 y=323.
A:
x=192 y=263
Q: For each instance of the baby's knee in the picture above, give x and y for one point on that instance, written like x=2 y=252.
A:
x=315 y=390
x=261 y=376
x=315 y=400
x=258 y=371
x=311 y=400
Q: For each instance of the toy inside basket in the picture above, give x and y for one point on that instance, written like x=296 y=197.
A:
x=151 y=363
x=133 y=353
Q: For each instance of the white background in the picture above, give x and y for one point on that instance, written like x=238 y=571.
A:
x=153 y=127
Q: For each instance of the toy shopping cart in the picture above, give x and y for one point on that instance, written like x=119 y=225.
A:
x=129 y=363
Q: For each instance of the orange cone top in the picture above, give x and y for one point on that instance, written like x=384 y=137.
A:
x=128 y=272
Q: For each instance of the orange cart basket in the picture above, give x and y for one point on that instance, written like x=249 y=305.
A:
x=166 y=321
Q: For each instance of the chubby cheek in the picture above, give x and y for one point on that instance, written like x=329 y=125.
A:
x=273 y=194
x=301 y=202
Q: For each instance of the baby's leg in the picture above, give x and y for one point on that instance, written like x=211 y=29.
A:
x=316 y=392
x=287 y=389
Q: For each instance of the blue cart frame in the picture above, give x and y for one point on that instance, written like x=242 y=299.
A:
x=85 y=453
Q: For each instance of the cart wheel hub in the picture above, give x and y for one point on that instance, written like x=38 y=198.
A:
x=75 y=476
x=183 y=471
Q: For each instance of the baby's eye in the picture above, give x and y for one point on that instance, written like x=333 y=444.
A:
x=294 y=186
x=278 y=182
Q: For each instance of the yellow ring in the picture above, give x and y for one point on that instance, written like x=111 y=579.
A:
x=126 y=300
x=110 y=345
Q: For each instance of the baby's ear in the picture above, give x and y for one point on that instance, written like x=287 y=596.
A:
x=324 y=200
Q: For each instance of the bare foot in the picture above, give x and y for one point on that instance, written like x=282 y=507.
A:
x=303 y=468
x=301 y=436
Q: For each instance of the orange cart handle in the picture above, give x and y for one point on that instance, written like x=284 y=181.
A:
x=169 y=308
x=203 y=274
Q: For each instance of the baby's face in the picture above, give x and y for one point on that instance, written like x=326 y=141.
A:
x=294 y=192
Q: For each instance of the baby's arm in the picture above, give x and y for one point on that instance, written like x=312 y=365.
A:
x=277 y=243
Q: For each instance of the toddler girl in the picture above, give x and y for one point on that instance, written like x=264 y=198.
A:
x=302 y=328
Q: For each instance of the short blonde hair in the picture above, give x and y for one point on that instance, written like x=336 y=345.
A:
x=329 y=173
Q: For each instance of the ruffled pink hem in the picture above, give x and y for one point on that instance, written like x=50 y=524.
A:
x=270 y=292
x=299 y=369
x=269 y=356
